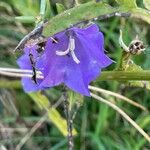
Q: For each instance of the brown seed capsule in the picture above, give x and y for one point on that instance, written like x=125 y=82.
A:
x=136 y=47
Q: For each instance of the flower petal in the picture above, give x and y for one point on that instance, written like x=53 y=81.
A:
x=92 y=29
x=24 y=63
x=94 y=45
x=54 y=64
x=74 y=79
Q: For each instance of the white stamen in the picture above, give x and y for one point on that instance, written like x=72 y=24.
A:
x=72 y=44
x=71 y=48
x=62 y=53
x=74 y=57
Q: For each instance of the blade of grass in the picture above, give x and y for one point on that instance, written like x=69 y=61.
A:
x=53 y=114
x=36 y=126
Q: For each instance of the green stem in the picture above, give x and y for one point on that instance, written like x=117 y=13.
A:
x=125 y=75
x=105 y=76
x=42 y=8
x=124 y=62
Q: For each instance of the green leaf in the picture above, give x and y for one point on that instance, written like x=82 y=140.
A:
x=127 y=3
x=146 y=4
x=88 y=11
x=53 y=114
x=77 y=14
x=60 y=8
x=26 y=7
x=48 y=11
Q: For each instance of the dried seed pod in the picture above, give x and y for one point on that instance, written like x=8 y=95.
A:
x=136 y=47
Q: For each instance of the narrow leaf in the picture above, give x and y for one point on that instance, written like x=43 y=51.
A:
x=53 y=114
x=88 y=11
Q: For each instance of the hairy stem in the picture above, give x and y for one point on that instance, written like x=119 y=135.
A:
x=69 y=121
x=105 y=76
x=125 y=75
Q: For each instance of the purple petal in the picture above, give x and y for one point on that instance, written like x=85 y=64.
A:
x=54 y=65
x=92 y=29
x=24 y=63
x=94 y=45
x=74 y=79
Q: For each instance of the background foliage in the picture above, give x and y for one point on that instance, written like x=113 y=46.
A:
x=98 y=126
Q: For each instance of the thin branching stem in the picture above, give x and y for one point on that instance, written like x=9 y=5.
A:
x=121 y=112
x=105 y=75
x=117 y=96
x=18 y=70
x=17 y=74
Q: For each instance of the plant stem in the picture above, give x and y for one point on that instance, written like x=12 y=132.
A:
x=105 y=76
x=17 y=74
x=119 y=96
x=42 y=8
x=16 y=70
x=125 y=75
x=69 y=121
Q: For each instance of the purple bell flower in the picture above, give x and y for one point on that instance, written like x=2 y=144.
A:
x=74 y=58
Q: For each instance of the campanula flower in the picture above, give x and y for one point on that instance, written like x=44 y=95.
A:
x=73 y=57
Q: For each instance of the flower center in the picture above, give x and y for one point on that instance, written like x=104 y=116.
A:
x=70 y=49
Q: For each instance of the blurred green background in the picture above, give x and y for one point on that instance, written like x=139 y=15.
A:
x=98 y=126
